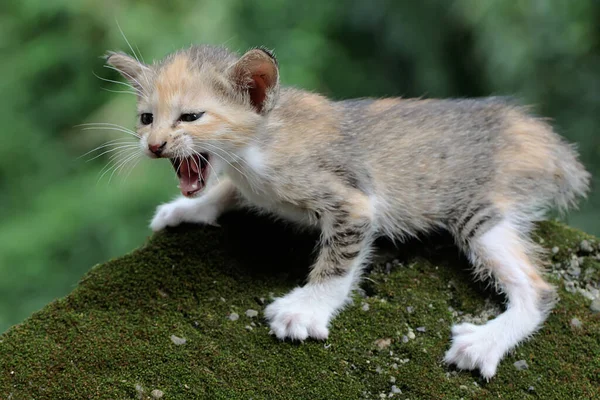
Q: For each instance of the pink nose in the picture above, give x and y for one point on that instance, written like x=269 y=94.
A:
x=157 y=148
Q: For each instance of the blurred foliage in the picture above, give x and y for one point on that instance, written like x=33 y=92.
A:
x=59 y=218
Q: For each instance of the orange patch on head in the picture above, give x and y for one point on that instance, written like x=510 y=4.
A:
x=172 y=79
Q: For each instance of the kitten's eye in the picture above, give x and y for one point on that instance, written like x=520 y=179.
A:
x=190 y=117
x=146 y=118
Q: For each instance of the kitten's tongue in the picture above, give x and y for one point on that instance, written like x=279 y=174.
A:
x=189 y=171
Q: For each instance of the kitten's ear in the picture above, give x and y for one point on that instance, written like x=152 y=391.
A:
x=129 y=67
x=256 y=73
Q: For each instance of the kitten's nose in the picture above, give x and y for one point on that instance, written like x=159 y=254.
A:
x=157 y=148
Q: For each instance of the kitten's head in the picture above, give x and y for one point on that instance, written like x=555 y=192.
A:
x=200 y=107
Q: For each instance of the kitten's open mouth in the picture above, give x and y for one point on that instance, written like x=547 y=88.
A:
x=192 y=172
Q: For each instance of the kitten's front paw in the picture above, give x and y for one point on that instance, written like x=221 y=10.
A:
x=182 y=210
x=473 y=347
x=170 y=214
x=298 y=316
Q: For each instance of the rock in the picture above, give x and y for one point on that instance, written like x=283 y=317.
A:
x=585 y=246
x=251 y=313
x=178 y=340
x=156 y=394
x=233 y=316
x=365 y=307
x=139 y=390
x=574 y=271
x=555 y=250
x=570 y=286
x=383 y=343
x=521 y=365
x=421 y=329
x=410 y=309
x=595 y=306
x=395 y=390
x=411 y=334
x=576 y=323
x=116 y=314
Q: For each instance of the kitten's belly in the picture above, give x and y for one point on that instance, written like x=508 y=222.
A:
x=287 y=211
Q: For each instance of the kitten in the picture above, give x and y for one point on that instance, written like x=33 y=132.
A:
x=482 y=169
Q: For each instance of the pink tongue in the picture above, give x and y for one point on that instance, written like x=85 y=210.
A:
x=189 y=177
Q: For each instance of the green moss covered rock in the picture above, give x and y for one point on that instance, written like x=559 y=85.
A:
x=182 y=317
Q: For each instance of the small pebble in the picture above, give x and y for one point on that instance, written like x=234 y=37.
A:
x=576 y=323
x=392 y=379
x=595 y=306
x=585 y=246
x=248 y=328
x=521 y=365
x=421 y=329
x=410 y=309
x=411 y=334
x=404 y=339
x=531 y=389
x=395 y=390
x=570 y=286
x=178 y=340
x=233 y=316
x=463 y=387
x=156 y=394
x=365 y=307
x=388 y=268
x=251 y=313
x=574 y=271
x=555 y=249
x=383 y=343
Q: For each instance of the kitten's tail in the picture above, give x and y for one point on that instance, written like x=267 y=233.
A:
x=571 y=177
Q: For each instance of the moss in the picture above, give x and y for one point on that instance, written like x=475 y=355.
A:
x=113 y=332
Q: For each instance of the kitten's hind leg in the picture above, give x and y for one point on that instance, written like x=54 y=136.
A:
x=201 y=210
x=504 y=253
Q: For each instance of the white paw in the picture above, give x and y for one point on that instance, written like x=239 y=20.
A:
x=184 y=210
x=298 y=316
x=475 y=347
x=166 y=215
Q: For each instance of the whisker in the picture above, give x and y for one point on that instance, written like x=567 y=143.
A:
x=144 y=68
x=113 y=142
x=122 y=164
x=224 y=159
x=96 y=124
x=111 y=150
x=142 y=87
x=110 y=128
x=120 y=91
x=112 y=163
x=209 y=164
x=133 y=167
x=120 y=83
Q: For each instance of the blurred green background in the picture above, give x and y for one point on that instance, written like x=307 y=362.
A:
x=58 y=218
